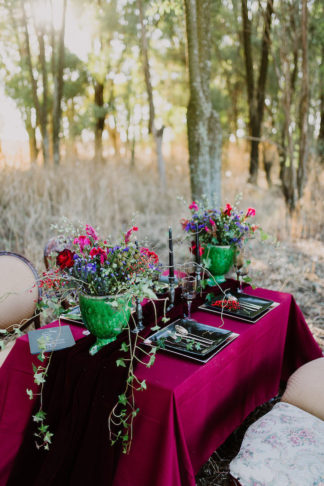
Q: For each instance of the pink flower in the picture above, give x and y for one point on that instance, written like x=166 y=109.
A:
x=250 y=212
x=129 y=232
x=99 y=251
x=207 y=229
x=82 y=241
x=91 y=232
x=212 y=222
x=194 y=206
x=228 y=209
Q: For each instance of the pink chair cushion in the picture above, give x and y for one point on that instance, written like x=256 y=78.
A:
x=18 y=291
x=305 y=388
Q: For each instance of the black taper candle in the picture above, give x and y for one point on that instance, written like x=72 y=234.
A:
x=197 y=245
x=171 y=262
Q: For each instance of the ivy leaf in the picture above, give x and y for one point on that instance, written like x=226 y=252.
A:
x=48 y=438
x=41 y=357
x=30 y=393
x=122 y=399
x=165 y=319
x=39 y=416
x=120 y=362
x=124 y=347
x=39 y=378
x=143 y=385
x=155 y=328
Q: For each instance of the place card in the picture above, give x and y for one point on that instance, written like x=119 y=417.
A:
x=50 y=339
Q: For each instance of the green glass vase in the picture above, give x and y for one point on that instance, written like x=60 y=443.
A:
x=105 y=317
x=218 y=261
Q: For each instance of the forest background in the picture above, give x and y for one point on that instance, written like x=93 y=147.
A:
x=116 y=111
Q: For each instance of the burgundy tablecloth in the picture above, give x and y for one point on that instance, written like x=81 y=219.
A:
x=188 y=409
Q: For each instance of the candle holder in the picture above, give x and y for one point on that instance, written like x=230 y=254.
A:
x=171 y=294
x=139 y=317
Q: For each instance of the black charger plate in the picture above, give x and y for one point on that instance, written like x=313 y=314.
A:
x=241 y=313
x=218 y=338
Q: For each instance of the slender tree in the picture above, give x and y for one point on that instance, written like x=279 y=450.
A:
x=156 y=132
x=256 y=91
x=204 y=131
x=58 y=85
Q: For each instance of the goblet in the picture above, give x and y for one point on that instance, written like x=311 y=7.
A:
x=189 y=291
x=187 y=274
x=240 y=269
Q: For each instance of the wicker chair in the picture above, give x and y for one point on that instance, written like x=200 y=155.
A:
x=19 y=292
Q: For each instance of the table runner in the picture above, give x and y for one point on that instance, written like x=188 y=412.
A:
x=189 y=409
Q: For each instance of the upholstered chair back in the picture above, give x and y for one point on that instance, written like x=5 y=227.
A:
x=19 y=291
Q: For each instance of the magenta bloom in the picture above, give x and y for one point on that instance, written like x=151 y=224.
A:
x=82 y=241
x=194 y=206
x=250 y=212
x=228 y=209
x=129 y=232
x=91 y=232
x=212 y=222
x=99 y=251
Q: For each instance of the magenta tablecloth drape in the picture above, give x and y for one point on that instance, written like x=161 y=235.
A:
x=188 y=409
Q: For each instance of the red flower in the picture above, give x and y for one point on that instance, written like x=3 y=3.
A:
x=65 y=259
x=254 y=227
x=184 y=222
x=193 y=248
x=151 y=255
x=194 y=206
x=250 y=212
x=228 y=209
x=99 y=251
x=129 y=232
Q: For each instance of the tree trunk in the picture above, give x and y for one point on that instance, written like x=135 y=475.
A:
x=58 y=89
x=320 y=142
x=44 y=105
x=204 y=133
x=256 y=95
x=100 y=119
x=38 y=108
x=157 y=133
x=33 y=150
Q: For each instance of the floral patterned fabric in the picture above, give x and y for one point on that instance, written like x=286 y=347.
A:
x=285 y=447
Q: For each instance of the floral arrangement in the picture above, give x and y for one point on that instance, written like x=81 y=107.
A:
x=89 y=264
x=94 y=266
x=220 y=227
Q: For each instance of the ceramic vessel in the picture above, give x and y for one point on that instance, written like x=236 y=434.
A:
x=105 y=317
x=218 y=261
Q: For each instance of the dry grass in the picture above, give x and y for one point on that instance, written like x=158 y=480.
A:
x=110 y=196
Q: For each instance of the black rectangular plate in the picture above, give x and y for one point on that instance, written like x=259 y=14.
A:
x=219 y=337
x=242 y=314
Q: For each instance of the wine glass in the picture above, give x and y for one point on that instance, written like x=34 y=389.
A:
x=187 y=275
x=240 y=269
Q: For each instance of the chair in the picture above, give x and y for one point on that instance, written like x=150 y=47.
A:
x=286 y=446
x=19 y=292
